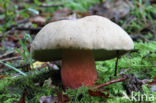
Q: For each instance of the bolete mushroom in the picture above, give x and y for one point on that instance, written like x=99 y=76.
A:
x=78 y=43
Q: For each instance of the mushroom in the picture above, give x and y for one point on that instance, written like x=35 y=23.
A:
x=78 y=43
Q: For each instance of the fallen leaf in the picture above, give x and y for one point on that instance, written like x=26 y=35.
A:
x=39 y=20
x=98 y=94
x=38 y=64
x=3 y=76
x=111 y=9
x=61 y=14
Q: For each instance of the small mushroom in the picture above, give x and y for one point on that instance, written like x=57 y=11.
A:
x=79 y=43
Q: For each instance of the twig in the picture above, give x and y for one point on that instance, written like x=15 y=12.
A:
x=28 y=28
x=137 y=36
x=116 y=63
x=10 y=59
x=24 y=28
x=16 y=27
x=18 y=23
x=12 y=27
x=111 y=82
x=6 y=54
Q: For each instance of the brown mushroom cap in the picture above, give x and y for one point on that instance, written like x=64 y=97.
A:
x=95 y=33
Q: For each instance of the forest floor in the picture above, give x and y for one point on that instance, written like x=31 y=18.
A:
x=24 y=80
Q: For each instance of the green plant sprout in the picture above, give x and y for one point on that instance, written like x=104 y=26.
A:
x=15 y=69
x=25 y=54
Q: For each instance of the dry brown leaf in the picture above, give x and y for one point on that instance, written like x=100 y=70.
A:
x=111 y=9
x=3 y=76
x=39 y=20
x=61 y=14
x=98 y=93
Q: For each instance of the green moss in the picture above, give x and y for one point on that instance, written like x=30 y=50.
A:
x=143 y=68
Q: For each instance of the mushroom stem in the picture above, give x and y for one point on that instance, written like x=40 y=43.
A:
x=78 y=68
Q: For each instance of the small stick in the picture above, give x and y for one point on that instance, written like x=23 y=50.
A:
x=17 y=27
x=28 y=28
x=10 y=59
x=111 y=82
x=23 y=28
x=6 y=54
x=12 y=27
x=116 y=63
x=139 y=36
x=18 y=23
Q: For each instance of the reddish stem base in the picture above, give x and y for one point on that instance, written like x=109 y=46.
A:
x=78 y=68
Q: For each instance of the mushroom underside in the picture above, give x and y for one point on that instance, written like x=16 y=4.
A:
x=56 y=54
